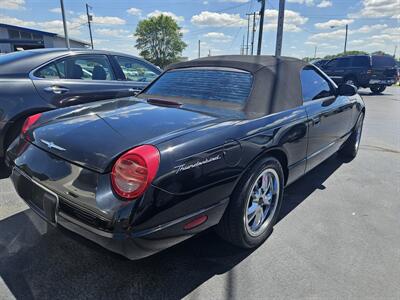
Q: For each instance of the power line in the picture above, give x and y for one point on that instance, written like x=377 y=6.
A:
x=241 y=28
x=77 y=26
x=229 y=24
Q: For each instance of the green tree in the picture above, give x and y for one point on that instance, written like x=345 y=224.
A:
x=352 y=52
x=159 y=40
x=381 y=53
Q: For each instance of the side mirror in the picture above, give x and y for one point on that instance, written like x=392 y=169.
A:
x=346 y=90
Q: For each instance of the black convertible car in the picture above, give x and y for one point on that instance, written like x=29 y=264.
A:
x=212 y=141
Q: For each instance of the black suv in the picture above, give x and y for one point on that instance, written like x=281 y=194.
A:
x=368 y=71
x=320 y=62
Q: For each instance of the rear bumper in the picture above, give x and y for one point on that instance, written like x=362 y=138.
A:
x=387 y=82
x=137 y=245
x=129 y=243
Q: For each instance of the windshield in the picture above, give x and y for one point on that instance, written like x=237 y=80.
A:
x=216 y=84
x=383 y=61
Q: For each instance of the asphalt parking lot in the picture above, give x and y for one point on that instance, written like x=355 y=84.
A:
x=338 y=237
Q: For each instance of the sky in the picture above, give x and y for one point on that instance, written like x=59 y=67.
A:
x=221 y=25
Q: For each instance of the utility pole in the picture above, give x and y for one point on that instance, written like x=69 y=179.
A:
x=65 y=25
x=209 y=52
x=260 y=31
x=395 y=50
x=199 y=48
x=279 y=32
x=89 y=20
x=345 y=39
x=253 y=33
x=248 y=33
x=315 y=52
x=242 y=48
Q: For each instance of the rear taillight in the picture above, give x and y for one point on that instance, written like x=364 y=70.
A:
x=134 y=171
x=29 y=122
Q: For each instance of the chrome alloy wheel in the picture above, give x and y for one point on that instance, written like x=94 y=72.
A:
x=262 y=202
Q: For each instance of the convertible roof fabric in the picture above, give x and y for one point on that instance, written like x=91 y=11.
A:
x=276 y=80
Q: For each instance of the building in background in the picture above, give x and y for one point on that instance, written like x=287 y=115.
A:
x=15 y=38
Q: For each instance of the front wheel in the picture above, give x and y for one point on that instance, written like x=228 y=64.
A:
x=254 y=207
x=377 y=89
x=351 y=146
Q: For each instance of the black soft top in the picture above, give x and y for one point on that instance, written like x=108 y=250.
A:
x=276 y=80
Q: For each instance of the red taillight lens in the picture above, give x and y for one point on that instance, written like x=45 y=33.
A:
x=134 y=171
x=29 y=122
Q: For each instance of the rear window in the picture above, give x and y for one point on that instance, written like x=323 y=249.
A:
x=222 y=85
x=383 y=61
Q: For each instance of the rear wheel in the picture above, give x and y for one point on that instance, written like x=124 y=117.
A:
x=377 y=89
x=254 y=206
x=351 y=146
x=11 y=135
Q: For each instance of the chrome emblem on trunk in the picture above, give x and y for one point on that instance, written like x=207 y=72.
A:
x=51 y=145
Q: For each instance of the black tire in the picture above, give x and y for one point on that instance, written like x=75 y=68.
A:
x=377 y=89
x=352 y=80
x=4 y=170
x=233 y=226
x=11 y=135
x=351 y=146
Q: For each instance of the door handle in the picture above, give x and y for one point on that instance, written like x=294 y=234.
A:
x=134 y=91
x=316 y=121
x=56 y=89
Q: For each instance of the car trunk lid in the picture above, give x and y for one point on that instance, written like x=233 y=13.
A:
x=93 y=136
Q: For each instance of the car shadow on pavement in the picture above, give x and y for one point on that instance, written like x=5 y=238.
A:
x=39 y=261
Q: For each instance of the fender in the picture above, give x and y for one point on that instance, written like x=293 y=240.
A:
x=7 y=126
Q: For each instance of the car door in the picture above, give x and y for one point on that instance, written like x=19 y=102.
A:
x=338 y=68
x=343 y=69
x=329 y=116
x=361 y=68
x=137 y=73
x=78 y=79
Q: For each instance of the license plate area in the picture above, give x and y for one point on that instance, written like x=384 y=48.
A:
x=40 y=199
